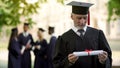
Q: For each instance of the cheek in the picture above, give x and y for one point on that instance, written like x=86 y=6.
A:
x=83 y=21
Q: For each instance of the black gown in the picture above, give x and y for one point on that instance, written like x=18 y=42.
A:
x=14 y=55
x=50 y=51
x=26 y=57
x=69 y=42
x=41 y=55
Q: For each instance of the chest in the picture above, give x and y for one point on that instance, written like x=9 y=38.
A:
x=75 y=43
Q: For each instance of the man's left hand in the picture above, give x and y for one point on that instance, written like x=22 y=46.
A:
x=103 y=57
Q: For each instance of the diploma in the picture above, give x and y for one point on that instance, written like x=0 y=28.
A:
x=29 y=41
x=88 y=53
x=23 y=47
x=22 y=50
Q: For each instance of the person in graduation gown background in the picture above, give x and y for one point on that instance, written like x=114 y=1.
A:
x=40 y=51
x=26 y=42
x=14 y=55
x=51 y=46
x=80 y=38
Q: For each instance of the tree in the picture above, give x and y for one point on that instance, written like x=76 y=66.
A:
x=12 y=10
x=113 y=9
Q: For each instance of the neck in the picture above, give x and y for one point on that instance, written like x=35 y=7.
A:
x=78 y=27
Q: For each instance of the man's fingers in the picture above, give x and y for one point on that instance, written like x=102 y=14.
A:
x=72 y=58
x=70 y=55
x=102 y=57
x=105 y=53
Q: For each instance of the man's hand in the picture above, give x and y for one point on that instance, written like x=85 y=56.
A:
x=28 y=46
x=102 y=57
x=38 y=47
x=72 y=58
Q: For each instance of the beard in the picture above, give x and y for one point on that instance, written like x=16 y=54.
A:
x=80 y=26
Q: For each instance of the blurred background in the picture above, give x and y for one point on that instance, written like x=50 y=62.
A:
x=104 y=15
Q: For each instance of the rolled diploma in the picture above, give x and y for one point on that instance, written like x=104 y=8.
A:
x=84 y=53
x=23 y=47
x=29 y=41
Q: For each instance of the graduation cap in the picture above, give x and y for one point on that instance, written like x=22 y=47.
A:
x=50 y=28
x=41 y=29
x=27 y=24
x=80 y=8
x=14 y=29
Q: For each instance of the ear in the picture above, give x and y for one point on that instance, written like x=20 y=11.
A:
x=72 y=16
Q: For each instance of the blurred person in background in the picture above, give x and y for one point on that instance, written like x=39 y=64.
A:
x=51 y=46
x=26 y=42
x=40 y=51
x=14 y=57
x=82 y=38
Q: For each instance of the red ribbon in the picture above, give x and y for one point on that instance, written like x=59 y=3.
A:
x=88 y=51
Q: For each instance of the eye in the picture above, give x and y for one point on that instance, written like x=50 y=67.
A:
x=84 y=17
x=79 y=17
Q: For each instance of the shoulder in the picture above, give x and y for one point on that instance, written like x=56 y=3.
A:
x=29 y=34
x=92 y=29
x=67 y=35
x=12 y=40
x=20 y=34
x=53 y=37
x=44 y=41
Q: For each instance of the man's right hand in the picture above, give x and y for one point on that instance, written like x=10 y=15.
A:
x=72 y=58
x=28 y=46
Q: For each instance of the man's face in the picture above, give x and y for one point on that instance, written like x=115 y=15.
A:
x=79 y=20
x=26 y=28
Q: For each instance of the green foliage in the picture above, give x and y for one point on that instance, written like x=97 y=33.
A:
x=114 y=9
x=12 y=10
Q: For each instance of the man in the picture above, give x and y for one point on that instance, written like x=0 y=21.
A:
x=26 y=41
x=51 y=46
x=80 y=38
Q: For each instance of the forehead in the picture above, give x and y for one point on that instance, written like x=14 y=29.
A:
x=80 y=15
x=26 y=26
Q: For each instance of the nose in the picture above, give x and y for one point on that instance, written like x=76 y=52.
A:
x=82 y=20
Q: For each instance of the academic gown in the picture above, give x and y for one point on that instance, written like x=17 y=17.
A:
x=51 y=47
x=26 y=56
x=70 y=42
x=41 y=55
x=14 y=55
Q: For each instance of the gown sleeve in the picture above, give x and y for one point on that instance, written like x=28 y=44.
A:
x=14 y=48
x=60 y=59
x=103 y=44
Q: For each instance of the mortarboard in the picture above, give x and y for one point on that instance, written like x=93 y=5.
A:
x=41 y=29
x=27 y=24
x=51 y=28
x=80 y=8
x=14 y=29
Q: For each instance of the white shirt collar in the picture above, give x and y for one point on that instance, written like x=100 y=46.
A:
x=25 y=34
x=75 y=29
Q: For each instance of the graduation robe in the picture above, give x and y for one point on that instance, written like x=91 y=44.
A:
x=26 y=56
x=41 y=55
x=14 y=55
x=51 y=47
x=69 y=42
